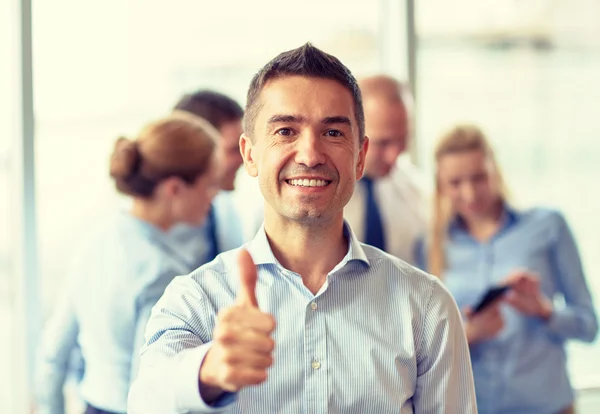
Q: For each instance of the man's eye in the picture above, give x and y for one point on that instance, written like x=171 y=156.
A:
x=286 y=132
x=334 y=133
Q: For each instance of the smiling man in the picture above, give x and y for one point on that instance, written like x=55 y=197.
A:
x=305 y=318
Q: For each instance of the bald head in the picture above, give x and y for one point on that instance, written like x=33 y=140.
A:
x=382 y=87
x=385 y=103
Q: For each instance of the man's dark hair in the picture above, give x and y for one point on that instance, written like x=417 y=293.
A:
x=215 y=107
x=306 y=61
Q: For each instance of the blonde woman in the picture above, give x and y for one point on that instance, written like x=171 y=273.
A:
x=170 y=172
x=479 y=241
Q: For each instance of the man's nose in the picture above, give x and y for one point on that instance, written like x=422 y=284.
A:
x=309 y=150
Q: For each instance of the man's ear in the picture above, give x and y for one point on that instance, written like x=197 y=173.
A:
x=246 y=147
x=362 y=154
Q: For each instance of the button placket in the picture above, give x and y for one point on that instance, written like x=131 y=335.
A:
x=315 y=357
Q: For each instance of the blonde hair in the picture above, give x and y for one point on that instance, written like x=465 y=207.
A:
x=461 y=138
x=180 y=145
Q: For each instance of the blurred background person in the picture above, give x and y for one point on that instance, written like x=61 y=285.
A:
x=479 y=240
x=388 y=205
x=222 y=230
x=171 y=172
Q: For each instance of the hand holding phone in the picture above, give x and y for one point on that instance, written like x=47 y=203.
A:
x=484 y=320
x=491 y=296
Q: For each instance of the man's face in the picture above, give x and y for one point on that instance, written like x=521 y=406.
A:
x=230 y=145
x=387 y=127
x=305 y=148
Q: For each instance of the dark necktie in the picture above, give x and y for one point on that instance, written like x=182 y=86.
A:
x=374 y=234
x=211 y=222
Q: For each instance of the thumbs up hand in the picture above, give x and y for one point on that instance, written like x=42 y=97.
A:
x=242 y=345
x=247 y=294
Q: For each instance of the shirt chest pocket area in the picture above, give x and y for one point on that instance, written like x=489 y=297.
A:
x=383 y=357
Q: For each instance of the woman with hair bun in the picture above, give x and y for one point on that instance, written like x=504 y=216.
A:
x=171 y=173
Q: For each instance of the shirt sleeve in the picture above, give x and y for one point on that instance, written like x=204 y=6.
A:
x=177 y=340
x=444 y=375
x=148 y=296
x=139 y=341
x=577 y=319
x=58 y=341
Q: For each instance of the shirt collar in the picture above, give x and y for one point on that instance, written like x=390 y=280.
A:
x=261 y=252
x=509 y=217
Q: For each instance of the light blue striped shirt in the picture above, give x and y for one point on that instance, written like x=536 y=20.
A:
x=523 y=370
x=379 y=337
x=117 y=277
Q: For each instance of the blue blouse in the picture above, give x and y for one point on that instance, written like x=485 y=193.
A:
x=523 y=369
x=116 y=279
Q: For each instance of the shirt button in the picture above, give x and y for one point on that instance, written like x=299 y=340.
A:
x=313 y=306
x=315 y=364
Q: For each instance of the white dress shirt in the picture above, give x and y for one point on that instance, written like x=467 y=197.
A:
x=401 y=198
x=249 y=203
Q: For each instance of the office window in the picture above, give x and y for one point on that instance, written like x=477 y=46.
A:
x=8 y=278
x=527 y=74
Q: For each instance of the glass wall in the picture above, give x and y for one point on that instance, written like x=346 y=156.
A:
x=526 y=73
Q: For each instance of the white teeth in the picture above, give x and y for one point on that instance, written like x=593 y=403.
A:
x=308 y=183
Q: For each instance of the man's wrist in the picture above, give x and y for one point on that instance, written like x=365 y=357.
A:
x=209 y=391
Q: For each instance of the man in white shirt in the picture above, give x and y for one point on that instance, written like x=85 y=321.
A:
x=388 y=208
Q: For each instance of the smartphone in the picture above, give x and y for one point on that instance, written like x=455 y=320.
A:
x=490 y=297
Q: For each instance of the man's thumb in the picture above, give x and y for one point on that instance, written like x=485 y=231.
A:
x=248 y=276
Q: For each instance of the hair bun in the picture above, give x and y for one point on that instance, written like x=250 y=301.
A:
x=125 y=159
